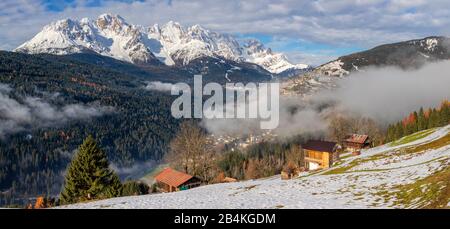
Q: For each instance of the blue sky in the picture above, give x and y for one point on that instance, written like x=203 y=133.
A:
x=60 y=5
x=311 y=32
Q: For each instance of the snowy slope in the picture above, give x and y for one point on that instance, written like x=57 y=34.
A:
x=171 y=44
x=378 y=178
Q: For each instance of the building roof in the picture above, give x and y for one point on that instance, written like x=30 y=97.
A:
x=172 y=177
x=357 y=138
x=322 y=146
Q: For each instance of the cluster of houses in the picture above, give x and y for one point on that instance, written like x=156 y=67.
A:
x=318 y=154
x=240 y=142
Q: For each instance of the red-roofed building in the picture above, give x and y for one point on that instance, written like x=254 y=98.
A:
x=356 y=142
x=171 y=180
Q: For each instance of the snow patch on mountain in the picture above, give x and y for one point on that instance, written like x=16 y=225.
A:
x=429 y=44
x=334 y=69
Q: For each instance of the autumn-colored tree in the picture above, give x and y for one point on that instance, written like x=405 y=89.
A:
x=253 y=169
x=219 y=178
x=290 y=168
x=41 y=202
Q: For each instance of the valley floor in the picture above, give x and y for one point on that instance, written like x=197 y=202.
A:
x=410 y=173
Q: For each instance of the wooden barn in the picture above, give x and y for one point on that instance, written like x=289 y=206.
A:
x=320 y=154
x=356 y=142
x=171 y=180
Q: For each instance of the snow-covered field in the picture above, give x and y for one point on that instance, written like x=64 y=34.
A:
x=372 y=180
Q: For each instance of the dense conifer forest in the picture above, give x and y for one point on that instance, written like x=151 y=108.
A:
x=33 y=160
x=420 y=120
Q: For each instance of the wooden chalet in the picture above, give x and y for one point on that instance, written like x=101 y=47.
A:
x=356 y=142
x=170 y=180
x=320 y=154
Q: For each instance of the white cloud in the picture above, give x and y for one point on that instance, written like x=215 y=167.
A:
x=385 y=95
x=312 y=59
x=364 y=23
x=158 y=86
x=24 y=113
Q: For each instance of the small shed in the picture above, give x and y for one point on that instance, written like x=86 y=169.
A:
x=171 y=180
x=320 y=154
x=356 y=142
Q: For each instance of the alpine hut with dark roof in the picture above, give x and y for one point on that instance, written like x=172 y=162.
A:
x=320 y=154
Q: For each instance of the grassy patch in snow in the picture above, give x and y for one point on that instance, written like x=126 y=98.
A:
x=430 y=192
x=346 y=156
x=413 y=137
x=441 y=142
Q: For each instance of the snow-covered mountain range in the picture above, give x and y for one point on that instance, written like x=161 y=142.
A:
x=171 y=44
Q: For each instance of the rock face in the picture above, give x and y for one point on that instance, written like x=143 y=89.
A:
x=255 y=52
x=171 y=44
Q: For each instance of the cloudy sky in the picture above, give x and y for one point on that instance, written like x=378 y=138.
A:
x=309 y=32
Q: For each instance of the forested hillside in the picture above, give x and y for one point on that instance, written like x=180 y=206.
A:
x=137 y=126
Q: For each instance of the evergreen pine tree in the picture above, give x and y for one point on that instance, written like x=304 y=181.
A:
x=434 y=119
x=89 y=176
x=427 y=118
x=399 y=130
x=421 y=120
x=415 y=123
x=390 y=133
x=444 y=114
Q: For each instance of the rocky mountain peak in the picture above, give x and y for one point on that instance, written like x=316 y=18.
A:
x=171 y=43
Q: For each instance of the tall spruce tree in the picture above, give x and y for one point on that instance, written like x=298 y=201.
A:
x=434 y=119
x=444 y=117
x=415 y=124
x=89 y=176
x=399 y=132
x=421 y=120
x=390 y=136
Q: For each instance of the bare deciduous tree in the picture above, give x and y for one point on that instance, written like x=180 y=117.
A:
x=191 y=152
x=341 y=126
